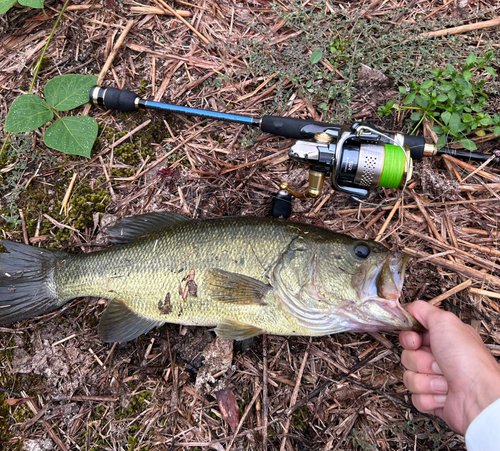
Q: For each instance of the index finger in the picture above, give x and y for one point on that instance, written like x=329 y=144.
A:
x=414 y=340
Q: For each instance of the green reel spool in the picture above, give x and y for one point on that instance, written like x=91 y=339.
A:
x=394 y=171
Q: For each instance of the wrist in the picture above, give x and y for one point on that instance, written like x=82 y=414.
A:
x=486 y=392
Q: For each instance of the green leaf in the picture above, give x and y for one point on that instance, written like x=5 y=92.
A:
x=446 y=115
x=468 y=144
x=5 y=5
x=441 y=142
x=467 y=117
x=496 y=131
x=491 y=71
x=421 y=102
x=467 y=75
x=27 y=113
x=385 y=110
x=471 y=59
x=467 y=92
x=409 y=98
x=315 y=57
x=66 y=92
x=455 y=123
x=487 y=120
x=442 y=98
x=74 y=135
x=477 y=108
x=438 y=130
x=402 y=90
x=426 y=84
x=445 y=87
x=463 y=82
x=32 y=3
x=416 y=116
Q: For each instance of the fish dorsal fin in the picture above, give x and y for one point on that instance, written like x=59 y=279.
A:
x=119 y=323
x=235 y=330
x=127 y=230
x=236 y=288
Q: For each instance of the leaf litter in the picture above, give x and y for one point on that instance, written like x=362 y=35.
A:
x=160 y=391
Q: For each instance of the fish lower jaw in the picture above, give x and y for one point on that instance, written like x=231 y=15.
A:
x=390 y=305
x=398 y=317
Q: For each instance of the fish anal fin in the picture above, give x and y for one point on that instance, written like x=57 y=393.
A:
x=119 y=323
x=128 y=230
x=229 y=329
x=236 y=288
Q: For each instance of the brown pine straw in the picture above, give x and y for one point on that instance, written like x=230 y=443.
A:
x=463 y=28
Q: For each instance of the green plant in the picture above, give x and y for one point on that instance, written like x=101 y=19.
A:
x=338 y=51
x=5 y=5
x=359 y=440
x=425 y=430
x=455 y=100
x=70 y=134
x=316 y=56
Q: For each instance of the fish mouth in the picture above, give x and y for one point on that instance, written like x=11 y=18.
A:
x=381 y=295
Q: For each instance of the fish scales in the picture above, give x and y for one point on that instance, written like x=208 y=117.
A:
x=242 y=275
x=146 y=273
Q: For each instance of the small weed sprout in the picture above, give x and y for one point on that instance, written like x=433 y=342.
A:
x=18 y=156
x=452 y=99
x=359 y=441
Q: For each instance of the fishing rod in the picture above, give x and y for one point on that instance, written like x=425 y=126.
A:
x=358 y=157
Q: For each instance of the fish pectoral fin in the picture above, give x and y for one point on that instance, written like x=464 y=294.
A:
x=119 y=323
x=128 y=230
x=229 y=329
x=231 y=287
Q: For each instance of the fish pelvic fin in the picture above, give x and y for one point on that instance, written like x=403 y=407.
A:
x=236 y=288
x=119 y=323
x=27 y=287
x=229 y=329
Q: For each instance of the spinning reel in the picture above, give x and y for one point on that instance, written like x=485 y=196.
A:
x=358 y=158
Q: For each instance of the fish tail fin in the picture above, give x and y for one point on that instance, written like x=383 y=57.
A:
x=27 y=288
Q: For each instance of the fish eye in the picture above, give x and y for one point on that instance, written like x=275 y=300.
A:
x=361 y=251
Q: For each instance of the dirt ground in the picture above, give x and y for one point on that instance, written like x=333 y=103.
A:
x=180 y=388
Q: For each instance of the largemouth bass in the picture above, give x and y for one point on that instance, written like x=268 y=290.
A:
x=244 y=276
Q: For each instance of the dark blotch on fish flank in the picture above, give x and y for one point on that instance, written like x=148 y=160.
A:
x=164 y=306
x=192 y=288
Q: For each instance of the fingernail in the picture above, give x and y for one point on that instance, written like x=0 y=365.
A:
x=440 y=399
x=435 y=368
x=439 y=384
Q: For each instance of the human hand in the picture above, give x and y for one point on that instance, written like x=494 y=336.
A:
x=449 y=370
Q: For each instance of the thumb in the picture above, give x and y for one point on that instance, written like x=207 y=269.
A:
x=423 y=312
